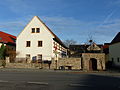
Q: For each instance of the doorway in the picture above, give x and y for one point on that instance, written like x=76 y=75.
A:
x=93 y=64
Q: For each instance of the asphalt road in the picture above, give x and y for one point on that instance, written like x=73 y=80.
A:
x=55 y=80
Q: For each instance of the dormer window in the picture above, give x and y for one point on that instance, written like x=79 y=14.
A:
x=33 y=30
x=37 y=30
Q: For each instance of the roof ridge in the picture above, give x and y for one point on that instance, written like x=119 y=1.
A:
x=51 y=32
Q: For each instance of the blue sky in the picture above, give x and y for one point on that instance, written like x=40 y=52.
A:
x=68 y=19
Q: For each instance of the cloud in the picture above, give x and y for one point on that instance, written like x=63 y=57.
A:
x=67 y=27
x=67 y=23
x=116 y=2
x=11 y=24
x=18 y=6
x=14 y=26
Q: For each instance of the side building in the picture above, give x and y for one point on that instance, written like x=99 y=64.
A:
x=114 y=51
x=38 y=43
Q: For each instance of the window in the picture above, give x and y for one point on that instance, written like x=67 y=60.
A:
x=118 y=60
x=37 y=30
x=39 y=58
x=112 y=59
x=27 y=43
x=27 y=57
x=39 y=43
x=33 y=30
x=34 y=58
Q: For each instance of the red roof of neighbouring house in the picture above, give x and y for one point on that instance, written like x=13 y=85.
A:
x=106 y=45
x=7 y=38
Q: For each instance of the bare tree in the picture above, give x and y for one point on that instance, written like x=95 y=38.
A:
x=69 y=42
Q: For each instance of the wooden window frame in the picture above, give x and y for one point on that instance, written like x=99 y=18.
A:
x=32 y=30
x=112 y=59
x=28 y=43
x=118 y=59
x=39 y=55
x=37 y=30
x=40 y=43
x=27 y=55
x=39 y=59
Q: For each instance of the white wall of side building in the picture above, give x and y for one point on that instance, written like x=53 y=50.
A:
x=60 y=49
x=114 y=53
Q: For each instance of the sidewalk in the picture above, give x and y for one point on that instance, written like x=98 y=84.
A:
x=104 y=73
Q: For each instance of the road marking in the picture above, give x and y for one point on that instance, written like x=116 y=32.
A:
x=79 y=85
x=39 y=83
x=3 y=81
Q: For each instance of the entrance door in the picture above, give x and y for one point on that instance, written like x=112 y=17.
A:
x=93 y=64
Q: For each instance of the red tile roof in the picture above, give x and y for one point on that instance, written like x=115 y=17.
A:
x=7 y=38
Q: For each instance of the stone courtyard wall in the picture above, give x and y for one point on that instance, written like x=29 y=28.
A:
x=66 y=63
x=23 y=65
x=74 y=63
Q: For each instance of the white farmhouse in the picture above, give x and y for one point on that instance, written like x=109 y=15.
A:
x=38 y=42
x=114 y=50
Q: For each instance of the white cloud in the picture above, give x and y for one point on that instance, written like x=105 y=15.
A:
x=18 y=6
x=71 y=28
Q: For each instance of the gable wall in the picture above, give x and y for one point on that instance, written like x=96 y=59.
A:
x=26 y=35
x=114 y=52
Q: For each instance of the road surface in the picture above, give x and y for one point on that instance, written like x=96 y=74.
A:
x=55 y=80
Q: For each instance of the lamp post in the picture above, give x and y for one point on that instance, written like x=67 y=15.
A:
x=56 y=57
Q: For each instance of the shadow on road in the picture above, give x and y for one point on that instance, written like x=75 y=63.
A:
x=96 y=82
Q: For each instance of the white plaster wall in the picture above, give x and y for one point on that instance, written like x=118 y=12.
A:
x=26 y=35
x=53 y=49
x=58 y=51
x=114 y=51
x=0 y=44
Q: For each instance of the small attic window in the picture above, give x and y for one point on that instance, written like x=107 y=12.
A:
x=37 y=30
x=33 y=30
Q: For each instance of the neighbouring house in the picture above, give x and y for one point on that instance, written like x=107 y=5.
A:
x=7 y=39
x=77 y=50
x=10 y=42
x=114 y=51
x=37 y=42
x=91 y=56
